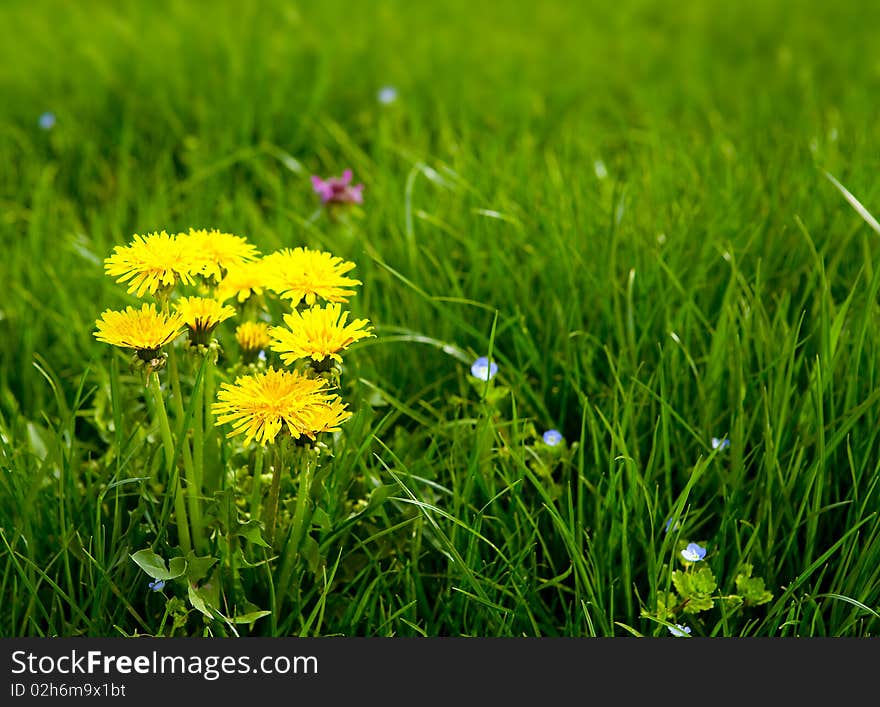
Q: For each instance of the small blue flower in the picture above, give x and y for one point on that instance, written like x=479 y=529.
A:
x=679 y=631
x=552 y=437
x=693 y=552
x=668 y=523
x=720 y=443
x=261 y=355
x=484 y=370
x=387 y=94
x=157 y=585
x=47 y=120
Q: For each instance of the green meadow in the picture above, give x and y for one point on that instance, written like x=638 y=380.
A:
x=654 y=218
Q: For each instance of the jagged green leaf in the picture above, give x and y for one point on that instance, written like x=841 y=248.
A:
x=252 y=531
x=695 y=588
x=154 y=565
x=667 y=602
x=206 y=598
x=197 y=567
x=752 y=589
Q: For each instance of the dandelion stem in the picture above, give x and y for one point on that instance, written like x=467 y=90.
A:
x=232 y=551
x=256 y=483
x=208 y=433
x=197 y=439
x=174 y=376
x=302 y=517
x=193 y=476
x=173 y=477
x=237 y=588
x=195 y=480
x=272 y=505
x=270 y=582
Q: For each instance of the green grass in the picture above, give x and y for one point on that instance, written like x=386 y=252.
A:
x=709 y=281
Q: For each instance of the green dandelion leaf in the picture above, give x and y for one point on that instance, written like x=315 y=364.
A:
x=752 y=589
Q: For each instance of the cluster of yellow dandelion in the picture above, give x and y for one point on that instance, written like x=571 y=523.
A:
x=318 y=333
x=145 y=330
x=302 y=274
x=223 y=267
x=160 y=260
x=155 y=265
x=242 y=281
x=261 y=404
x=252 y=337
x=216 y=252
x=201 y=315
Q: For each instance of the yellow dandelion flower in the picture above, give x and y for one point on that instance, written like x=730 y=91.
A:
x=215 y=252
x=300 y=273
x=201 y=315
x=145 y=330
x=317 y=333
x=242 y=280
x=260 y=405
x=252 y=336
x=328 y=417
x=150 y=262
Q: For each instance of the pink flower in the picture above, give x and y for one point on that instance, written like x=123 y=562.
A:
x=338 y=190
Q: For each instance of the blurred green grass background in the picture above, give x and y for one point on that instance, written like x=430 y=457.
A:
x=634 y=189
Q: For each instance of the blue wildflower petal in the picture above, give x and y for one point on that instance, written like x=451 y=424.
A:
x=679 y=631
x=387 y=94
x=157 y=585
x=668 y=523
x=720 y=443
x=47 y=120
x=483 y=369
x=693 y=552
x=552 y=437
